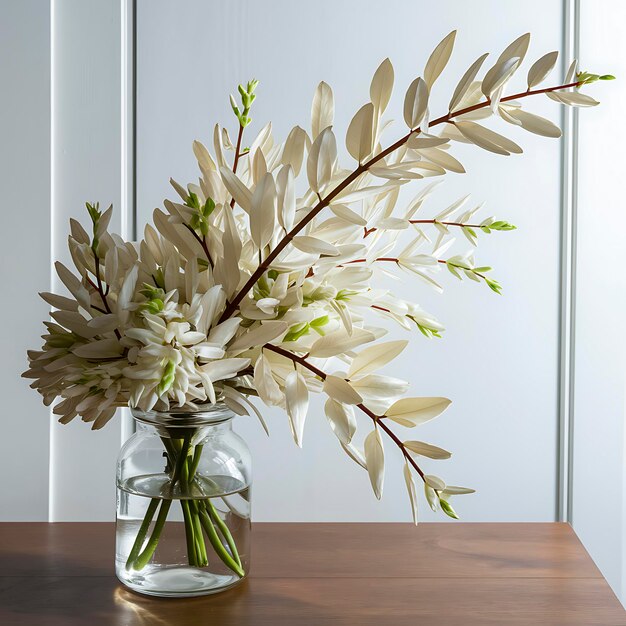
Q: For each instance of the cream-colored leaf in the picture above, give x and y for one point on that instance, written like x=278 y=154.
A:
x=313 y=245
x=354 y=453
x=443 y=159
x=203 y=157
x=365 y=192
x=435 y=482
x=74 y=285
x=541 y=68
x=375 y=461
x=339 y=342
x=382 y=86
x=322 y=110
x=360 y=134
x=321 y=160
x=374 y=357
x=236 y=188
x=342 y=211
x=571 y=72
x=218 y=147
x=59 y=302
x=265 y=384
x=259 y=336
x=416 y=142
x=466 y=82
x=517 y=48
x=263 y=211
x=341 y=390
x=427 y=450
x=487 y=139
x=534 y=123
x=100 y=349
x=286 y=197
x=415 y=103
x=573 y=98
x=293 y=152
x=498 y=75
x=431 y=497
x=127 y=291
x=415 y=411
x=452 y=490
x=341 y=418
x=439 y=59
x=297 y=404
x=410 y=487
x=236 y=401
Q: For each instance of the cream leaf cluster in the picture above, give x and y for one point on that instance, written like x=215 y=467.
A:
x=260 y=279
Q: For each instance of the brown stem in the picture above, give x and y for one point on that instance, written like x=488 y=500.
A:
x=377 y=419
x=202 y=242
x=463 y=268
x=236 y=160
x=101 y=291
x=369 y=231
x=324 y=202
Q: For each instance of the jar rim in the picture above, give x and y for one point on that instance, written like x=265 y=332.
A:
x=203 y=415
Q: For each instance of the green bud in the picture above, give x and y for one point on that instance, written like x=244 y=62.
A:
x=192 y=201
x=447 y=509
x=297 y=331
x=234 y=106
x=169 y=375
x=607 y=77
x=208 y=208
x=494 y=285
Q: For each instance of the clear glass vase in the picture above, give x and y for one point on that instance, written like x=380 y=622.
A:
x=183 y=504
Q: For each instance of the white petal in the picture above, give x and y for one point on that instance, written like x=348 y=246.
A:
x=375 y=460
x=415 y=411
x=341 y=390
x=297 y=403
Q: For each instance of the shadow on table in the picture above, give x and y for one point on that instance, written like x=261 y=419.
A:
x=95 y=600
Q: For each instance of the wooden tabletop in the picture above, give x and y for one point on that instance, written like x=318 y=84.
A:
x=322 y=575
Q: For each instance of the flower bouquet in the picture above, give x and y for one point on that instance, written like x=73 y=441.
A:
x=258 y=281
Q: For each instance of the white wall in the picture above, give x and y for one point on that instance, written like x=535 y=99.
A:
x=25 y=254
x=599 y=483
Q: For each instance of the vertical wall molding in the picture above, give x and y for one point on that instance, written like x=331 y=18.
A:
x=567 y=296
x=128 y=142
x=88 y=163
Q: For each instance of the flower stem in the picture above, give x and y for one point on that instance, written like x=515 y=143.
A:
x=143 y=559
x=217 y=544
x=192 y=556
x=143 y=531
x=223 y=528
x=232 y=306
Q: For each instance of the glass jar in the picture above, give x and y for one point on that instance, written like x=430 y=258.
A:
x=183 y=504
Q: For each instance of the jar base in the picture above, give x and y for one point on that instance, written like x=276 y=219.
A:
x=176 y=581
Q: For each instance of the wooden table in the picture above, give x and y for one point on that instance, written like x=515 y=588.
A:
x=322 y=575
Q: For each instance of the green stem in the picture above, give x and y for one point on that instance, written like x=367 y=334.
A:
x=223 y=528
x=195 y=461
x=192 y=556
x=197 y=527
x=182 y=459
x=146 y=555
x=218 y=546
x=143 y=531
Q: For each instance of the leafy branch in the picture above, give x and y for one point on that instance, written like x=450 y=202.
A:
x=361 y=169
x=377 y=419
x=100 y=222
